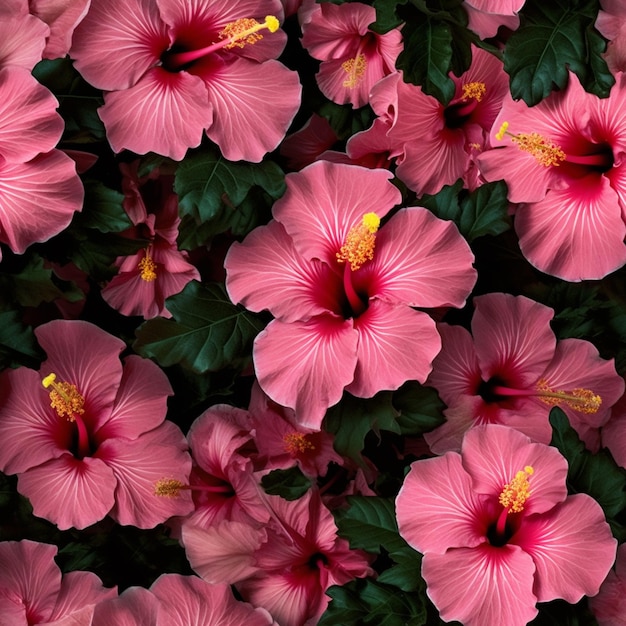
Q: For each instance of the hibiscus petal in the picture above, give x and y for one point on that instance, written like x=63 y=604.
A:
x=483 y=585
x=163 y=112
x=306 y=365
x=572 y=547
x=69 y=492
x=135 y=606
x=23 y=39
x=396 y=344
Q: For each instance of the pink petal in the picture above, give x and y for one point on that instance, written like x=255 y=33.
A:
x=325 y=200
x=493 y=454
x=135 y=606
x=69 y=492
x=572 y=547
x=396 y=344
x=575 y=234
x=266 y=272
x=482 y=585
x=437 y=507
x=254 y=105
x=163 y=112
x=118 y=42
x=421 y=261
x=23 y=39
x=306 y=365
x=37 y=199
x=141 y=402
x=513 y=338
x=138 y=465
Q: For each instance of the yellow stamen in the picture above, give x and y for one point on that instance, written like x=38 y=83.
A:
x=64 y=398
x=579 y=399
x=360 y=242
x=355 y=69
x=245 y=31
x=514 y=494
x=297 y=443
x=148 y=268
x=168 y=487
x=474 y=90
x=545 y=151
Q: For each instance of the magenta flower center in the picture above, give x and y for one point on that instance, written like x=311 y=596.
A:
x=460 y=109
x=237 y=34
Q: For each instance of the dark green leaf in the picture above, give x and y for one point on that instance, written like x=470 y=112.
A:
x=421 y=409
x=103 y=209
x=564 y=614
x=207 y=333
x=18 y=345
x=33 y=285
x=552 y=37
x=289 y=484
x=386 y=15
x=407 y=573
x=344 y=120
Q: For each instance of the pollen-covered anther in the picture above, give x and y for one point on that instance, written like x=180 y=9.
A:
x=579 y=399
x=474 y=90
x=64 y=398
x=168 y=487
x=514 y=494
x=355 y=69
x=360 y=242
x=246 y=31
x=297 y=443
x=545 y=151
x=147 y=267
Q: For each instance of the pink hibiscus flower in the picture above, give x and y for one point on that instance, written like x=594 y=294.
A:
x=86 y=435
x=563 y=160
x=487 y=16
x=33 y=590
x=353 y=57
x=174 y=70
x=499 y=532
x=342 y=293
x=609 y=605
x=511 y=370
x=435 y=145
x=611 y=22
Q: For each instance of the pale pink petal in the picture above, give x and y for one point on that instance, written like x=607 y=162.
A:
x=189 y=600
x=414 y=252
x=486 y=24
x=513 y=338
x=306 y=365
x=118 y=41
x=223 y=552
x=141 y=402
x=266 y=272
x=95 y=372
x=23 y=39
x=437 y=508
x=254 y=105
x=502 y=7
x=138 y=465
x=572 y=547
x=163 y=112
x=493 y=454
x=136 y=606
x=482 y=585
x=29 y=580
x=69 y=492
x=575 y=234
x=396 y=344
x=325 y=200
x=37 y=199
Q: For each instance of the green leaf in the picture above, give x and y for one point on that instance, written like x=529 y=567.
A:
x=33 y=284
x=370 y=603
x=421 y=409
x=18 y=345
x=289 y=484
x=386 y=15
x=207 y=333
x=102 y=209
x=344 y=120
x=406 y=574
x=212 y=189
x=353 y=418
x=594 y=474
x=552 y=37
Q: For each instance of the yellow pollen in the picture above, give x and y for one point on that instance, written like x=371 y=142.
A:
x=579 y=399
x=474 y=90
x=546 y=152
x=355 y=69
x=64 y=398
x=168 y=487
x=297 y=443
x=514 y=494
x=148 y=268
x=360 y=242
x=245 y=31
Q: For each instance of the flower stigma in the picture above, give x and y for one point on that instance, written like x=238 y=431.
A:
x=246 y=31
x=360 y=242
x=64 y=398
x=579 y=399
x=546 y=152
x=147 y=267
x=297 y=443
